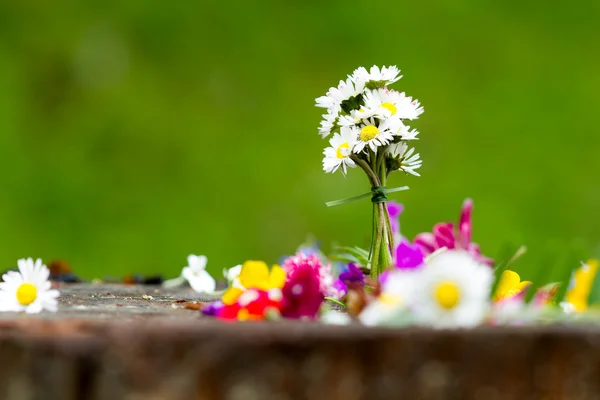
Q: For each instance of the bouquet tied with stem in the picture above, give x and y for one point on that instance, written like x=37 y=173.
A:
x=368 y=123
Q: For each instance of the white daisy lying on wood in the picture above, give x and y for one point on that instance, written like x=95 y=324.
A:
x=29 y=289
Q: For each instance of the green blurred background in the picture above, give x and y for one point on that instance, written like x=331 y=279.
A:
x=134 y=133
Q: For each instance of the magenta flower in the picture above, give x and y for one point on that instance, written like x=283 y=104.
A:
x=408 y=256
x=303 y=292
x=394 y=210
x=341 y=289
x=445 y=235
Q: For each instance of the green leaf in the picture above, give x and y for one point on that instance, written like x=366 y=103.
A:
x=354 y=254
x=372 y=85
x=353 y=103
x=345 y=258
x=594 y=297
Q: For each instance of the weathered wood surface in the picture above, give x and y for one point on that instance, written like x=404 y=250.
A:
x=109 y=342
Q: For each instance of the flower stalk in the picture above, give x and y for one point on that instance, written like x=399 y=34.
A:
x=382 y=242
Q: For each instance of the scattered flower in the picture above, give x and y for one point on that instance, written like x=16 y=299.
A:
x=396 y=296
x=257 y=297
x=444 y=235
x=395 y=209
x=256 y=275
x=545 y=295
x=305 y=288
x=197 y=276
x=29 y=289
x=212 y=309
x=453 y=291
x=510 y=285
x=352 y=276
x=233 y=276
x=408 y=256
x=576 y=298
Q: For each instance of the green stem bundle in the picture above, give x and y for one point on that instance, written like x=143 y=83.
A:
x=383 y=239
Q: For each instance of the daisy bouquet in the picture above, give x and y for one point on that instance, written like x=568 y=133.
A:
x=368 y=124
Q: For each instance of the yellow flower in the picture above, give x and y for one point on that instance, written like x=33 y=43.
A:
x=509 y=285
x=581 y=285
x=256 y=275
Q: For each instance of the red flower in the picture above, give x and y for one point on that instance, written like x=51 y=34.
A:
x=253 y=304
x=302 y=292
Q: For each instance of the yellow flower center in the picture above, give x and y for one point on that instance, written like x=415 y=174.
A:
x=447 y=295
x=389 y=300
x=392 y=108
x=26 y=294
x=339 y=153
x=368 y=133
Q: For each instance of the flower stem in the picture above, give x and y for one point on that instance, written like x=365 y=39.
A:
x=335 y=301
x=383 y=239
x=387 y=241
x=376 y=268
x=373 y=178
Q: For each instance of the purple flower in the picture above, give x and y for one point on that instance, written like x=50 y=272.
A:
x=444 y=235
x=352 y=275
x=212 y=309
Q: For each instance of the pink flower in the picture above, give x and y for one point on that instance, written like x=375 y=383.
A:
x=305 y=287
x=445 y=235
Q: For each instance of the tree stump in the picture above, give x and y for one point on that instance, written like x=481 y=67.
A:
x=129 y=342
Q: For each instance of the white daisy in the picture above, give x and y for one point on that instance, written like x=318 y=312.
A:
x=404 y=131
x=453 y=291
x=381 y=77
x=29 y=289
x=363 y=112
x=406 y=160
x=339 y=153
x=396 y=296
x=411 y=109
x=327 y=124
x=386 y=103
x=233 y=276
x=330 y=100
x=373 y=134
x=348 y=121
x=336 y=96
x=197 y=276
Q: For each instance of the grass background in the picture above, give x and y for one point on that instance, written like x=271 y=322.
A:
x=134 y=133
